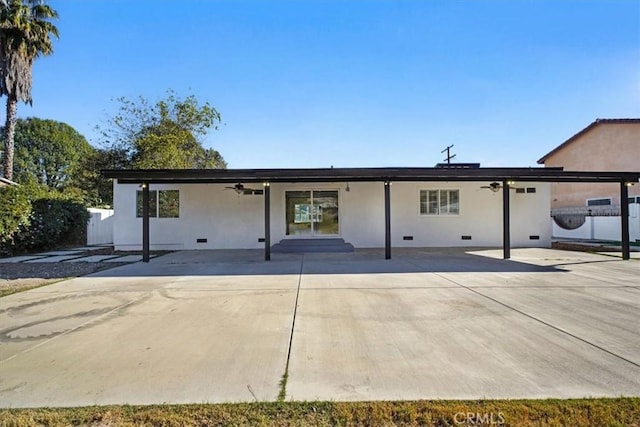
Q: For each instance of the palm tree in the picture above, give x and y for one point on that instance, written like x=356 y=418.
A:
x=25 y=34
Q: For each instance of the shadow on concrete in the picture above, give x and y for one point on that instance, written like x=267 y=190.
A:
x=48 y=271
x=362 y=261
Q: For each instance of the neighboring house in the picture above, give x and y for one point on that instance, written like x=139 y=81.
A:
x=4 y=182
x=604 y=145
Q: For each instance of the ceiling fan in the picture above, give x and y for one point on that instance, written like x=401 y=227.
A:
x=496 y=186
x=241 y=189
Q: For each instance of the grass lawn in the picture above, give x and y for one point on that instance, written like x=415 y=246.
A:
x=552 y=412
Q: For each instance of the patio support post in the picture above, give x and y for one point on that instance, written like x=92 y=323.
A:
x=145 y=222
x=624 y=219
x=506 y=232
x=387 y=220
x=267 y=221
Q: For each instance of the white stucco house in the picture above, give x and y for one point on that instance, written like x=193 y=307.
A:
x=433 y=214
x=276 y=209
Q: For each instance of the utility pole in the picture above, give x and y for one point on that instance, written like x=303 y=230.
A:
x=449 y=156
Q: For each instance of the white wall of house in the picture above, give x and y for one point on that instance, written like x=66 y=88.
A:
x=230 y=221
x=480 y=216
x=361 y=211
x=207 y=211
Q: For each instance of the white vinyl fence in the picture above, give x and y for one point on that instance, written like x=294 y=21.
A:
x=100 y=226
x=602 y=227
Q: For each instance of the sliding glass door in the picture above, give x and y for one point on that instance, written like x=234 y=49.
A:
x=312 y=213
x=298 y=213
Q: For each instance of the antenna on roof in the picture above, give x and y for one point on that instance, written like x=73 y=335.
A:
x=449 y=156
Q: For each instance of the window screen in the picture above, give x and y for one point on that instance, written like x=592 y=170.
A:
x=439 y=202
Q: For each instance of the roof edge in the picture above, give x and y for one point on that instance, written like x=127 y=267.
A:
x=593 y=124
x=220 y=176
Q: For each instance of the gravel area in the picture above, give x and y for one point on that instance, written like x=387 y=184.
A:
x=16 y=277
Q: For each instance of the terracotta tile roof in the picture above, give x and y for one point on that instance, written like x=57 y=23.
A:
x=595 y=123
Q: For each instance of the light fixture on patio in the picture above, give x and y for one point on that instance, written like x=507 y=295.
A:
x=347 y=189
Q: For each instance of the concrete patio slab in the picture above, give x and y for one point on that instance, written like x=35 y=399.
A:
x=22 y=258
x=52 y=259
x=438 y=343
x=92 y=343
x=90 y=248
x=607 y=316
x=227 y=256
x=214 y=326
x=371 y=274
x=60 y=253
x=31 y=319
x=126 y=258
x=633 y=254
x=93 y=258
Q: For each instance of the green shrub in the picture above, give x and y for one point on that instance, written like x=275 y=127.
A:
x=15 y=210
x=39 y=219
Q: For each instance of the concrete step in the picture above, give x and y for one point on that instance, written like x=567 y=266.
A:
x=312 y=245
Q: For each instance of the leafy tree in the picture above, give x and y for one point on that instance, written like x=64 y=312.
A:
x=34 y=217
x=169 y=146
x=53 y=155
x=96 y=190
x=166 y=134
x=15 y=208
x=25 y=34
x=48 y=152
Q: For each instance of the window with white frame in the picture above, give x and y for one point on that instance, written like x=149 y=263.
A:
x=439 y=202
x=605 y=201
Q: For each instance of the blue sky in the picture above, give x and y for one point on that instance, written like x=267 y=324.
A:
x=304 y=83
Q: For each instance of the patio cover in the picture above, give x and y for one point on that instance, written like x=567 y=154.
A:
x=145 y=177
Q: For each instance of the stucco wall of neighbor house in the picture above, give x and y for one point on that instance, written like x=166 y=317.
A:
x=229 y=221
x=605 y=147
